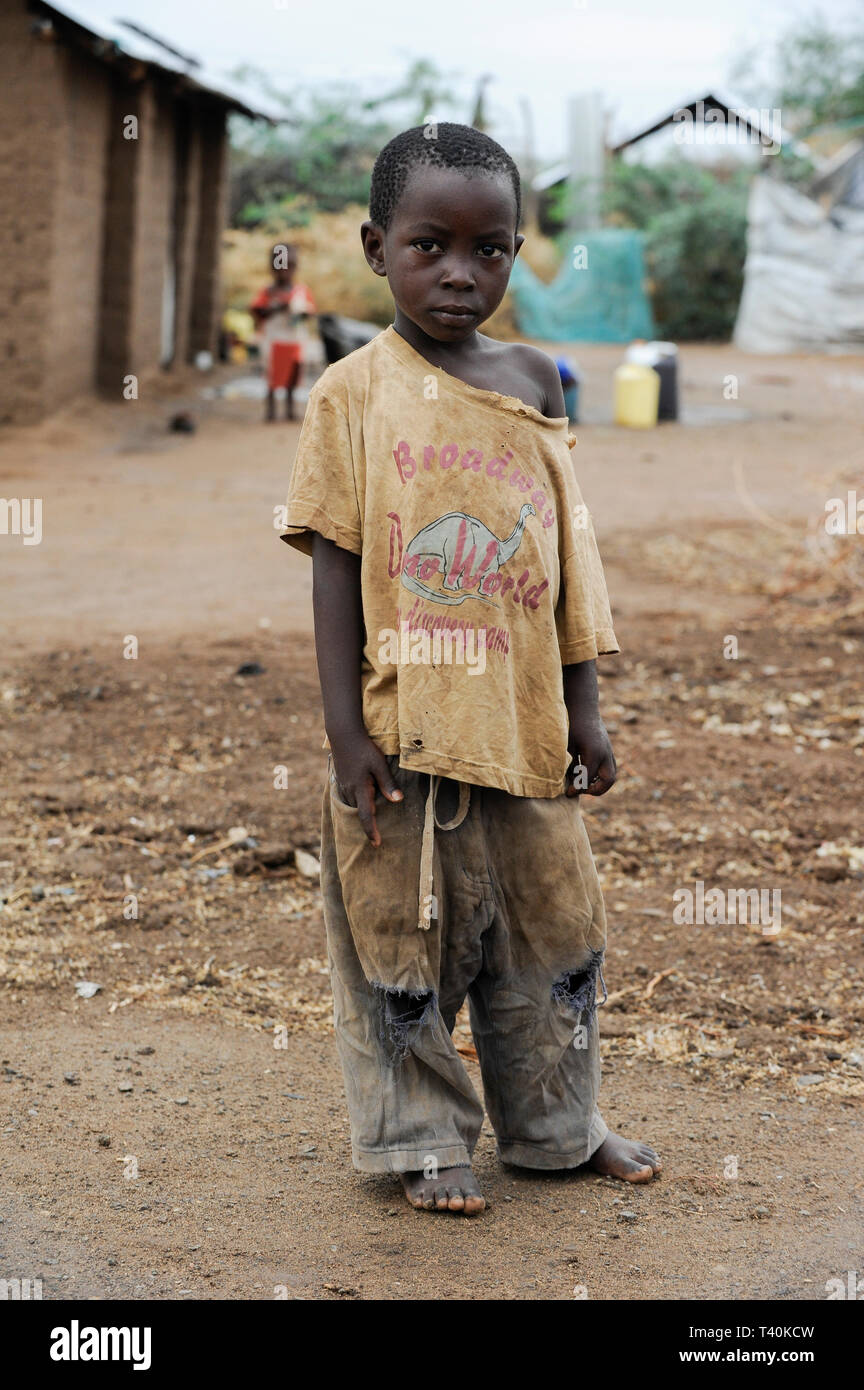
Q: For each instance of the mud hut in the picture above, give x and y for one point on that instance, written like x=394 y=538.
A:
x=113 y=155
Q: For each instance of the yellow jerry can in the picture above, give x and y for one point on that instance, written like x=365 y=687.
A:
x=637 y=396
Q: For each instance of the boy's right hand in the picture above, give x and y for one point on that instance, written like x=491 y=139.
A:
x=361 y=771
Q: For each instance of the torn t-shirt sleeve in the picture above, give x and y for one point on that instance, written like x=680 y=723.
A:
x=583 y=617
x=322 y=494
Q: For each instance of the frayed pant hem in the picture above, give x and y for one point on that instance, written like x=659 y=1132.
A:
x=410 y=1160
x=525 y=1155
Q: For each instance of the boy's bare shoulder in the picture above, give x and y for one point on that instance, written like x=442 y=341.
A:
x=545 y=372
x=530 y=374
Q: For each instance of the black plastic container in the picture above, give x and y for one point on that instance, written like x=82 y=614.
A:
x=341 y=336
x=666 y=367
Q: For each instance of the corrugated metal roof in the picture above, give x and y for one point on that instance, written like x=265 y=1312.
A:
x=133 y=43
x=558 y=173
x=708 y=100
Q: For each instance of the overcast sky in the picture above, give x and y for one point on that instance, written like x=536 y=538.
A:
x=644 y=57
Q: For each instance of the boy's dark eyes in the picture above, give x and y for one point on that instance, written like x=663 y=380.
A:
x=427 y=244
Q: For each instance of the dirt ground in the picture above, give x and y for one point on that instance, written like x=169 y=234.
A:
x=182 y=1133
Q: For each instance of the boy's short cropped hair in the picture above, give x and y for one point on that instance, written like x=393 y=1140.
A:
x=444 y=144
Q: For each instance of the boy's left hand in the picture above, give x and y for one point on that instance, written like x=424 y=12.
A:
x=589 y=744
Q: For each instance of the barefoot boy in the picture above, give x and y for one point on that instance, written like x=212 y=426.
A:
x=459 y=607
x=281 y=312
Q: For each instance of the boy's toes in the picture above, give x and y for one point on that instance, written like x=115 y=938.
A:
x=649 y=1155
x=474 y=1204
x=646 y=1154
x=625 y=1159
x=634 y=1171
x=453 y=1189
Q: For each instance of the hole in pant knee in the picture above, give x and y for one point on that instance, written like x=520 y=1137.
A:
x=401 y=1016
x=576 y=990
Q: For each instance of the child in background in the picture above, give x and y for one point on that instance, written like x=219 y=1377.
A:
x=459 y=606
x=282 y=312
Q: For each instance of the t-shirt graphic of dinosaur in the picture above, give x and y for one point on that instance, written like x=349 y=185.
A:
x=453 y=545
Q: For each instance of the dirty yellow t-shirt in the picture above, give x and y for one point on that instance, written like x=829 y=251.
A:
x=480 y=572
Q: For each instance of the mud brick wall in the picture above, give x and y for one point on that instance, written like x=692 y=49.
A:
x=137 y=242
x=153 y=235
x=79 y=213
x=118 y=239
x=28 y=175
x=212 y=212
x=188 y=164
x=166 y=204
x=94 y=224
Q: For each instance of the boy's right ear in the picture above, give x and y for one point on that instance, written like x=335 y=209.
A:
x=372 y=238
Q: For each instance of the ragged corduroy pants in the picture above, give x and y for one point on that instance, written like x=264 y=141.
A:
x=513 y=920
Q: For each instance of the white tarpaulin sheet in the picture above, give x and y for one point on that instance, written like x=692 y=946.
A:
x=804 y=274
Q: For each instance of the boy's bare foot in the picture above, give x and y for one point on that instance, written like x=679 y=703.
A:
x=626 y=1159
x=454 y=1189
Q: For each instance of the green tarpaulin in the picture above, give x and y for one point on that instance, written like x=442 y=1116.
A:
x=598 y=295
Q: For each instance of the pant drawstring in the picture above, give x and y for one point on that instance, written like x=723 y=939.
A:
x=425 y=912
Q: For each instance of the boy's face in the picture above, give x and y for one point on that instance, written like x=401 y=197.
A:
x=284 y=265
x=450 y=246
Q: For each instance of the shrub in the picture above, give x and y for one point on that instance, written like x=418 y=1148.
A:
x=695 y=259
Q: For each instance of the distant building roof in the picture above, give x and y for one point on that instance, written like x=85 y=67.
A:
x=750 y=117
x=766 y=129
x=115 y=40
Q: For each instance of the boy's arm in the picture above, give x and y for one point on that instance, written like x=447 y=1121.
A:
x=263 y=306
x=360 y=766
x=588 y=741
